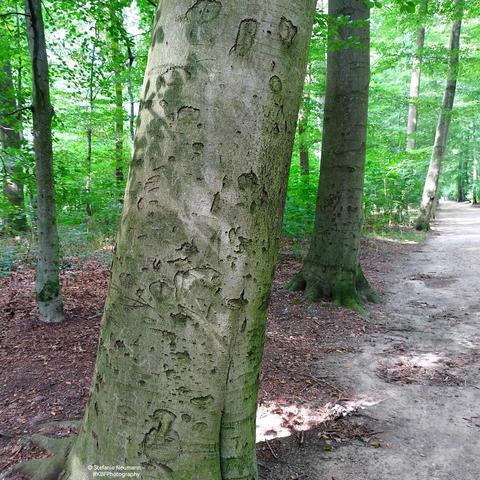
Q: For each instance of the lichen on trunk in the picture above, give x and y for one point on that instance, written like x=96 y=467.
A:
x=47 y=282
x=176 y=378
x=331 y=268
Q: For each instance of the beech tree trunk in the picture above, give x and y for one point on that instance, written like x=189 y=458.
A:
x=176 y=379
x=331 y=268
x=11 y=139
x=47 y=283
x=462 y=179
x=304 y=153
x=430 y=190
x=475 y=173
x=415 y=80
x=302 y=129
x=91 y=97
x=117 y=60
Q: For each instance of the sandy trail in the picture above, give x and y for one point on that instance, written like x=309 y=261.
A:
x=423 y=369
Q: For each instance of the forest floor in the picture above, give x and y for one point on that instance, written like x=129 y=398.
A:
x=391 y=396
x=417 y=372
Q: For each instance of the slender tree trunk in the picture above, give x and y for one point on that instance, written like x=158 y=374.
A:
x=415 y=80
x=175 y=386
x=430 y=191
x=88 y=182
x=304 y=154
x=461 y=179
x=49 y=297
x=331 y=268
x=474 y=173
x=131 y=118
x=11 y=139
x=302 y=128
x=117 y=60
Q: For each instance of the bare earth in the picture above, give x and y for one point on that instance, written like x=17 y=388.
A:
x=405 y=380
x=419 y=371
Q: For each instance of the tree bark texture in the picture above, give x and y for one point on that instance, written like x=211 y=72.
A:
x=430 y=190
x=331 y=268
x=415 y=81
x=176 y=379
x=11 y=139
x=47 y=283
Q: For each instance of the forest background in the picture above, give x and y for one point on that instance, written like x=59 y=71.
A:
x=97 y=53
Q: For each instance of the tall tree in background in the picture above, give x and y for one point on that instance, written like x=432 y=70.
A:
x=415 y=79
x=331 y=268
x=47 y=282
x=175 y=386
x=430 y=190
x=11 y=140
x=474 y=169
x=115 y=28
x=302 y=128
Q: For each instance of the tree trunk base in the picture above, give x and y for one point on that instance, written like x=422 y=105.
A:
x=342 y=288
x=49 y=468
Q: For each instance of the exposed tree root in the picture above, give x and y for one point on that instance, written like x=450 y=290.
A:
x=48 y=468
x=343 y=291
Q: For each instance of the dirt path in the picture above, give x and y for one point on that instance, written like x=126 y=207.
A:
x=421 y=373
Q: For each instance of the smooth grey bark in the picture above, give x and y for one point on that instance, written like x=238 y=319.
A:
x=11 y=140
x=47 y=283
x=415 y=80
x=176 y=379
x=430 y=190
x=331 y=268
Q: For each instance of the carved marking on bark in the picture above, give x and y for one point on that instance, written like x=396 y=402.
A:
x=287 y=31
x=247 y=32
x=200 y=17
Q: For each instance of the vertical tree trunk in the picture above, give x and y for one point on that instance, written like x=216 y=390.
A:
x=176 y=379
x=302 y=129
x=88 y=182
x=117 y=61
x=304 y=154
x=331 y=268
x=430 y=190
x=461 y=179
x=415 y=80
x=474 y=172
x=131 y=118
x=11 y=139
x=49 y=297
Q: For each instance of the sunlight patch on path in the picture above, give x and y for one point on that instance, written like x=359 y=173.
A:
x=278 y=421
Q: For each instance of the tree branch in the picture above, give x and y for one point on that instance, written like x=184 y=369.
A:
x=18 y=110
x=7 y=14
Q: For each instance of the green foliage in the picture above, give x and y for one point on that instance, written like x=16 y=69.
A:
x=84 y=69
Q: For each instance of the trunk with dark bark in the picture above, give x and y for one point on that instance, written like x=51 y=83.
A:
x=47 y=283
x=117 y=61
x=331 y=268
x=175 y=385
x=474 y=173
x=430 y=190
x=11 y=140
x=415 y=81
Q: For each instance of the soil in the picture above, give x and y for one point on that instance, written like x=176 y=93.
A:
x=394 y=395
x=417 y=373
